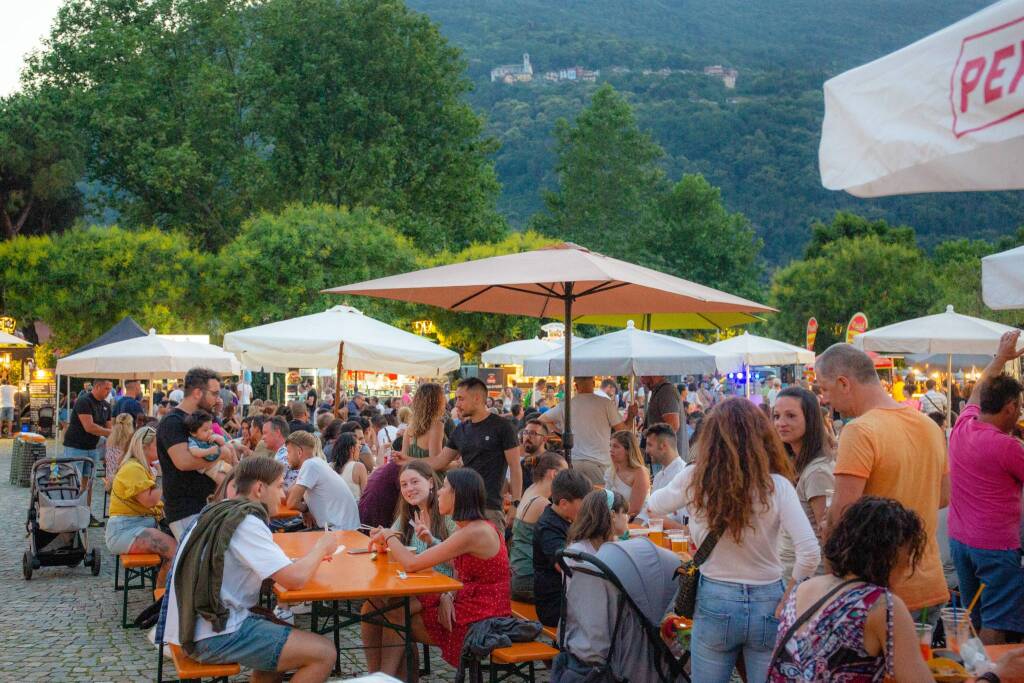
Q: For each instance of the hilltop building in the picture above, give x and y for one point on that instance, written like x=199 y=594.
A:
x=573 y=73
x=728 y=76
x=513 y=73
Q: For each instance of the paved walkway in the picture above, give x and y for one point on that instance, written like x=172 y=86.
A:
x=64 y=624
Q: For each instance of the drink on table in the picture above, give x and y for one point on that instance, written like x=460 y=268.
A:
x=956 y=622
x=657 y=527
x=924 y=638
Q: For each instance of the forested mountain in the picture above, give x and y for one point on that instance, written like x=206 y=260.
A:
x=758 y=141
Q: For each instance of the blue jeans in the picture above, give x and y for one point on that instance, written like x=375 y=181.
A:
x=84 y=468
x=734 y=619
x=1002 y=601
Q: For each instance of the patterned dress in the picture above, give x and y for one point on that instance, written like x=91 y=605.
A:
x=830 y=647
x=485 y=593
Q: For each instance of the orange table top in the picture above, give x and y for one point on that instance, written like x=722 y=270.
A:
x=994 y=652
x=352 y=577
x=285 y=512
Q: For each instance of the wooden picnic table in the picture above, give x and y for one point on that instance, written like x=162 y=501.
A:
x=348 y=577
x=285 y=512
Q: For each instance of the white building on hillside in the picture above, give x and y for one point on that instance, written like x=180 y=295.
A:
x=513 y=73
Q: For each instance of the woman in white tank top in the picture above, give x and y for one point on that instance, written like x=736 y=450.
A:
x=346 y=463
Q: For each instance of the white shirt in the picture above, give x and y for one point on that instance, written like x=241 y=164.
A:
x=251 y=557
x=934 y=402
x=592 y=420
x=773 y=394
x=386 y=435
x=754 y=561
x=328 y=497
x=290 y=475
x=244 y=393
x=177 y=396
x=7 y=392
x=662 y=479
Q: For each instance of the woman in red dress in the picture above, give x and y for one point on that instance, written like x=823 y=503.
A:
x=475 y=549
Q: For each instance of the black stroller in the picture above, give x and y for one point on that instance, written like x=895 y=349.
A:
x=612 y=607
x=58 y=518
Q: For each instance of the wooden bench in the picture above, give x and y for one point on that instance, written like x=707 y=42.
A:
x=525 y=610
x=190 y=670
x=137 y=568
x=518 y=660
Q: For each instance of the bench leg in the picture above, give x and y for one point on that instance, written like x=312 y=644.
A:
x=426 y=659
x=117 y=571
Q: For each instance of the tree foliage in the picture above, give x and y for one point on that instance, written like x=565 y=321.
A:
x=199 y=113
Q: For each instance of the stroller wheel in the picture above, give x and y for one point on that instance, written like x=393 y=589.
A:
x=94 y=562
x=26 y=566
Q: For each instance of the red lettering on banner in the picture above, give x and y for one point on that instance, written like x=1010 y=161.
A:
x=995 y=71
x=982 y=93
x=975 y=68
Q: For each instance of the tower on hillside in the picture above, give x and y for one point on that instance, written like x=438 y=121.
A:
x=527 y=68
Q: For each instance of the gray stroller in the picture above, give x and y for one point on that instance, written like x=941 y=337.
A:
x=58 y=518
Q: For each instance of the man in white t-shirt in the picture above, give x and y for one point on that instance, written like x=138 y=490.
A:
x=661 y=449
x=251 y=557
x=244 y=392
x=7 y=417
x=933 y=401
x=177 y=394
x=593 y=420
x=327 y=497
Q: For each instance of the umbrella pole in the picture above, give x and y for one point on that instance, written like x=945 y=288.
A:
x=632 y=398
x=337 y=383
x=949 y=391
x=567 y=410
x=746 y=380
x=56 y=411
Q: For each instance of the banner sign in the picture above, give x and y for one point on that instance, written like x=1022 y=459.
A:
x=812 y=333
x=858 y=324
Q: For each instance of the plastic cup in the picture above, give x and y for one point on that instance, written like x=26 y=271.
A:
x=956 y=622
x=924 y=639
x=657 y=527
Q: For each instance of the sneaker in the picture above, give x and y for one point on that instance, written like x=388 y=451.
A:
x=151 y=636
x=302 y=608
x=96 y=523
x=284 y=614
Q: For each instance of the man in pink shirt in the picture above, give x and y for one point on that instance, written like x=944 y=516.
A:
x=986 y=472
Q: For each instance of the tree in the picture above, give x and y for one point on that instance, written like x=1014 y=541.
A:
x=888 y=282
x=279 y=262
x=40 y=161
x=958 y=280
x=83 y=281
x=199 y=113
x=706 y=242
x=847 y=225
x=609 y=181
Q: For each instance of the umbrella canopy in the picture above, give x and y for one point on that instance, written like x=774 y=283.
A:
x=573 y=281
x=148 y=356
x=514 y=353
x=317 y=341
x=673 y=321
x=1002 y=279
x=754 y=350
x=8 y=340
x=945 y=333
x=941 y=115
x=127 y=328
x=628 y=352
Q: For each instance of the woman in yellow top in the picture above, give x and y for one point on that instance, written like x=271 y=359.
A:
x=136 y=505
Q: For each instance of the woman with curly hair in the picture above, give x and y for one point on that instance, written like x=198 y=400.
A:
x=855 y=628
x=739 y=494
x=424 y=436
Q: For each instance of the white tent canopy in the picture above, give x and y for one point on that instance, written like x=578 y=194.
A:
x=945 y=333
x=943 y=114
x=514 y=353
x=628 y=352
x=754 y=350
x=1002 y=279
x=314 y=341
x=7 y=340
x=146 y=357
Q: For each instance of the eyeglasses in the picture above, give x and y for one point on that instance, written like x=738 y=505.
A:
x=528 y=434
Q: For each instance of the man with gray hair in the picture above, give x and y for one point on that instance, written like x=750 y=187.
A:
x=888 y=450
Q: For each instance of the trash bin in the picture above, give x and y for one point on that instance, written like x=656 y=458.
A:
x=28 y=448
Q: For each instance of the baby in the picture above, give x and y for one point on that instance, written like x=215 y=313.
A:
x=203 y=443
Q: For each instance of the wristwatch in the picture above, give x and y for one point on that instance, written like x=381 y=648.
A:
x=515 y=503
x=988 y=676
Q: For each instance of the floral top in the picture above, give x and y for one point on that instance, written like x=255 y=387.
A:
x=830 y=646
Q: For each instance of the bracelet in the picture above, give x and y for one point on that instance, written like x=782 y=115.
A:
x=988 y=676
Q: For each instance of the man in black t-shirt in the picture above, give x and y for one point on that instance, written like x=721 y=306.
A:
x=185 y=487
x=90 y=419
x=486 y=443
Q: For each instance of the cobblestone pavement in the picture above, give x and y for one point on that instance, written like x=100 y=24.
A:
x=64 y=624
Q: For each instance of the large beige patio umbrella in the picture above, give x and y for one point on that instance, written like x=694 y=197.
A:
x=563 y=280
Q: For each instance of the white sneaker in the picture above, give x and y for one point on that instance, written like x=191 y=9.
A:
x=151 y=636
x=302 y=608
x=284 y=614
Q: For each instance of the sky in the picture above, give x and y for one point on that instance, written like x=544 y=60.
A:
x=23 y=25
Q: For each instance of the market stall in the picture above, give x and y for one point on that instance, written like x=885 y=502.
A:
x=755 y=350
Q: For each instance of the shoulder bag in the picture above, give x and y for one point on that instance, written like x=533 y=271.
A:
x=689 y=577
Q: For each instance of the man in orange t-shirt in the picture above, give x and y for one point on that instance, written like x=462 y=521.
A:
x=889 y=450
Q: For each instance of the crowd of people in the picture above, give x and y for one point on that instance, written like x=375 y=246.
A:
x=824 y=540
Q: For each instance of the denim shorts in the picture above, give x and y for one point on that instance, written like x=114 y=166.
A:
x=6 y=414
x=256 y=644
x=122 y=530
x=84 y=468
x=1002 y=601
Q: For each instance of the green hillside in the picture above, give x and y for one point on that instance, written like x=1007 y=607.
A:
x=758 y=142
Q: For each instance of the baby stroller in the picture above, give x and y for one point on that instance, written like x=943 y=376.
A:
x=58 y=518
x=612 y=606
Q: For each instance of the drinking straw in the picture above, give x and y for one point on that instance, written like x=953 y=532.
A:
x=977 y=595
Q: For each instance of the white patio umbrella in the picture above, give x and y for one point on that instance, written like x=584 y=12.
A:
x=946 y=333
x=515 y=352
x=943 y=114
x=1002 y=279
x=632 y=352
x=147 y=357
x=754 y=350
x=9 y=340
x=340 y=337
